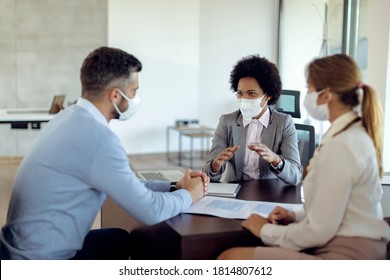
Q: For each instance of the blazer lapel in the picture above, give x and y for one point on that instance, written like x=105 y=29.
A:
x=268 y=139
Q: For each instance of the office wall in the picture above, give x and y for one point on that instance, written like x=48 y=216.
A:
x=42 y=45
x=229 y=32
x=164 y=35
x=188 y=48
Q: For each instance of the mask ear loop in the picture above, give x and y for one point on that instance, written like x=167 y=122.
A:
x=262 y=98
x=116 y=106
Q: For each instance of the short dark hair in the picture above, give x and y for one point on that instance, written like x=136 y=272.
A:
x=107 y=67
x=265 y=72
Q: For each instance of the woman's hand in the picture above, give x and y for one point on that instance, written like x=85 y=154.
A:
x=265 y=153
x=254 y=223
x=223 y=157
x=281 y=216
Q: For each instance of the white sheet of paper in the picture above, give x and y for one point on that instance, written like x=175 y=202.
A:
x=232 y=208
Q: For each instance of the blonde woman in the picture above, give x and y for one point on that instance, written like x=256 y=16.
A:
x=343 y=216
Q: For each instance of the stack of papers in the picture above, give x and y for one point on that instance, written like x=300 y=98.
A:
x=231 y=208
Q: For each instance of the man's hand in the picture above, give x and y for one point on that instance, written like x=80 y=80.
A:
x=193 y=174
x=205 y=179
x=194 y=182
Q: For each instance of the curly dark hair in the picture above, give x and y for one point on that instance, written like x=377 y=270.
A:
x=107 y=67
x=265 y=72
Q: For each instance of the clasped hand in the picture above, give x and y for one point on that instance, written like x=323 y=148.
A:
x=279 y=215
x=195 y=182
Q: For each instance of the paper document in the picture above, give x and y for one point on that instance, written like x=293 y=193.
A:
x=223 y=189
x=231 y=208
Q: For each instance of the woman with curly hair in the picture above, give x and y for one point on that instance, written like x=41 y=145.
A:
x=256 y=141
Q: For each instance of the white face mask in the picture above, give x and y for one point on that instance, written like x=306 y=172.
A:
x=251 y=108
x=318 y=112
x=133 y=105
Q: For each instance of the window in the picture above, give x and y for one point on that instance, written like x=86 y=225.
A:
x=301 y=42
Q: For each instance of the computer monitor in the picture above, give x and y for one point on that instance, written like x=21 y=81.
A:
x=289 y=103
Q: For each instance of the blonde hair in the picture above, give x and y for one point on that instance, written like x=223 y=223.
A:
x=341 y=73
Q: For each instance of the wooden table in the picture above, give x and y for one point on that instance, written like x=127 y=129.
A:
x=201 y=132
x=189 y=236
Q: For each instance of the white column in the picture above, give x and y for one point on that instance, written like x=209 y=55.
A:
x=378 y=74
x=378 y=69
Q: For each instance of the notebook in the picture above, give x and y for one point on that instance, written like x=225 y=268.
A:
x=56 y=105
x=223 y=189
x=173 y=175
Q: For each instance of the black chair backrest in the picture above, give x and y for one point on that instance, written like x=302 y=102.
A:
x=306 y=142
x=289 y=103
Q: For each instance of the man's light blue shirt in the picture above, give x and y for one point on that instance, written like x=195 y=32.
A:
x=88 y=106
x=63 y=181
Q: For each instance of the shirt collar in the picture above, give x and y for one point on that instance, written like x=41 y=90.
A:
x=92 y=109
x=264 y=119
x=339 y=124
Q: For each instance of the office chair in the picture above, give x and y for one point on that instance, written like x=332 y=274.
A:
x=289 y=103
x=306 y=142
